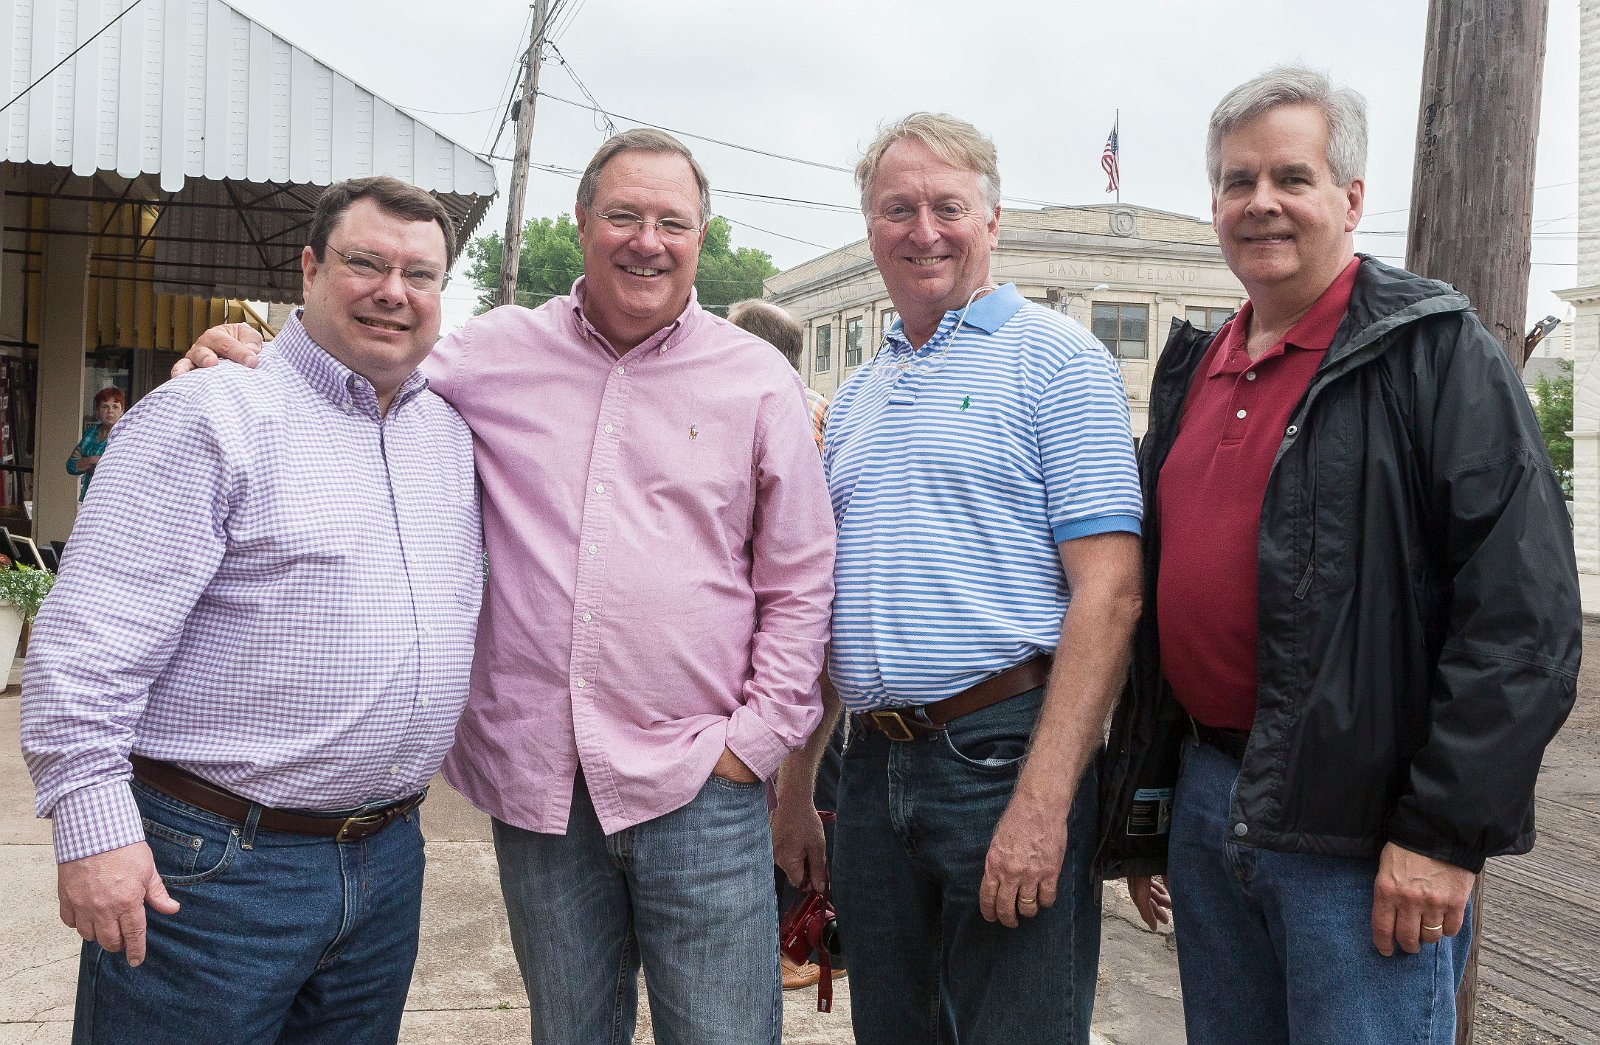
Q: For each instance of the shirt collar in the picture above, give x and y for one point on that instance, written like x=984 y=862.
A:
x=1313 y=333
x=669 y=336
x=328 y=377
x=988 y=314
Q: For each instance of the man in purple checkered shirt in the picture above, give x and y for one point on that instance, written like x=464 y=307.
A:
x=254 y=659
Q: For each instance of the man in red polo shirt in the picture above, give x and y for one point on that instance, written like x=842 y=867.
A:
x=1361 y=621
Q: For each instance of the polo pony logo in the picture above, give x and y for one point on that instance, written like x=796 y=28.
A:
x=694 y=431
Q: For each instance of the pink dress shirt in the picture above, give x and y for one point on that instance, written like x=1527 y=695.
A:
x=660 y=547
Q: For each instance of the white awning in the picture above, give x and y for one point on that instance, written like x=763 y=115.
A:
x=227 y=129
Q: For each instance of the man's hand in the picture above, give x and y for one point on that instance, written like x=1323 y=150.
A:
x=239 y=342
x=799 y=846
x=1417 y=900
x=1151 y=898
x=731 y=767
x=103 y=897
x=1024 y=861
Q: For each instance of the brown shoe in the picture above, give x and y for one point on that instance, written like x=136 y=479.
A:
x=798 y=976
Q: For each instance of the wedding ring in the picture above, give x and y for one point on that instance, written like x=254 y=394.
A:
x=1433 y=928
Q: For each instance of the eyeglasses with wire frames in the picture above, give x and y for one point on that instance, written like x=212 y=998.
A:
x=668 y=228
x=946 y=213
x=371 y=268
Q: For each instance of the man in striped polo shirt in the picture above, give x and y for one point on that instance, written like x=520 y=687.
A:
x=987 y=579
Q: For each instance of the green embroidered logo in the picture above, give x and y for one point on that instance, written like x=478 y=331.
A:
x=966 y=402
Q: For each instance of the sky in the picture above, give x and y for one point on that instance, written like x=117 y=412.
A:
x=812 y=80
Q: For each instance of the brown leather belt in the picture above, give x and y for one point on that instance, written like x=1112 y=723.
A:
x=902 y=724
x=186 y=787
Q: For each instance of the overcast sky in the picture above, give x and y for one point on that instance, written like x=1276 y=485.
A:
x=811 y=80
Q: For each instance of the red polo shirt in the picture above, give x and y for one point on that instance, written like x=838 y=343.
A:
x=1208 y=506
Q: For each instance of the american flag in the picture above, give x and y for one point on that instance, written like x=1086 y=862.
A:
x=1108 y=158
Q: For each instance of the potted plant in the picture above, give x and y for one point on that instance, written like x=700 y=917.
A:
x=22 y=589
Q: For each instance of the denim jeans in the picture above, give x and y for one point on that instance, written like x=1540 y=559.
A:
x=280 y=938
x=915 y=821
x=688 y=894
x=1277 y=947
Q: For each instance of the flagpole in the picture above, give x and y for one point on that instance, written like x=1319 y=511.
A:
x=1117 y=126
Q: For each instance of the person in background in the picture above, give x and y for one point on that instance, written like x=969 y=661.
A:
x=108 y=405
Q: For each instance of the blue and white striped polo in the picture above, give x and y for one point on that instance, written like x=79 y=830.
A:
x=955 y=470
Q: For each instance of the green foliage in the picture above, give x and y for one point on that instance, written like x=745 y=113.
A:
x=552 y=260
x=25 y=588
x=1553 y=407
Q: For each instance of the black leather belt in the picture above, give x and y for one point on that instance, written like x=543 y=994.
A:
x=186 y=787
x=1230 y=742
x=902 y=723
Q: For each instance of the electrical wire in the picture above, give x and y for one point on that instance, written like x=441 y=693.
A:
x=70 y=55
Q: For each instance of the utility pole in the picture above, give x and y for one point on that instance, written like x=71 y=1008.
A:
x=1472 y=204
x=511 y=244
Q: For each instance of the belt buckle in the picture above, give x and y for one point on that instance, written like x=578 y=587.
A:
x=365 y=820
x=899 y=730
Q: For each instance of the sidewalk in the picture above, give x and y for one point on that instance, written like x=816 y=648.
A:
x=466 y=990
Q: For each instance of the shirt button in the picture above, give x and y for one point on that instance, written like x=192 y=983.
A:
x=583 y=683
x=1240 y=415
x=394 y=770
x=619 y=370
x=599 y=487
x=1249 y=375
x=593 y=550
x=423 y=701
x=587 y=617
x=1240 y=830
x=608 y=429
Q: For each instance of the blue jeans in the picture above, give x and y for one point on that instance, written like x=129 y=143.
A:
x=689 y=894
x=1277 y=947
x=915 y=821
x=280 y=937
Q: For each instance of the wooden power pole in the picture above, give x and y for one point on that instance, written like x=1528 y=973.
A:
x=511 y=244
x=1472 y=202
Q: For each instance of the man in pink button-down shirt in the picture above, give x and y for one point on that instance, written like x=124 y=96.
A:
x=660 y=548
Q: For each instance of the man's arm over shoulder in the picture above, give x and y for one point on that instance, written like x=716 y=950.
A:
x=149 y=538
x=1512 y=633
x=792 y=574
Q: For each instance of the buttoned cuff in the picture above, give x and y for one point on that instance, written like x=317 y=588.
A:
x=94 y=820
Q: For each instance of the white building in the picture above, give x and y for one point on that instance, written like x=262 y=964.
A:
x=1585 y=297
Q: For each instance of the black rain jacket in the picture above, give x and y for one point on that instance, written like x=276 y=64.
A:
x=1418 y=612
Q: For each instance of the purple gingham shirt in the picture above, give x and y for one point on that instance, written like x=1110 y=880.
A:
x=269 y=585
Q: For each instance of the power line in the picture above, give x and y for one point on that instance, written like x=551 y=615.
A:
x=698 y=137
x=73 y=54
x=509 y=90
x=609 y=128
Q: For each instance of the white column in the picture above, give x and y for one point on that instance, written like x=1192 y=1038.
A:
x=59 y=407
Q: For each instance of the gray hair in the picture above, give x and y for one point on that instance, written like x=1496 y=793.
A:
x=1344 y=110
x=641 y=139
x=953 y=140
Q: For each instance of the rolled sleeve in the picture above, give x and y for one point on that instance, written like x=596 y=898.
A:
x=792 y=576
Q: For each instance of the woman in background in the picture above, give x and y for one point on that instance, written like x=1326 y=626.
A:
x=108 y=404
